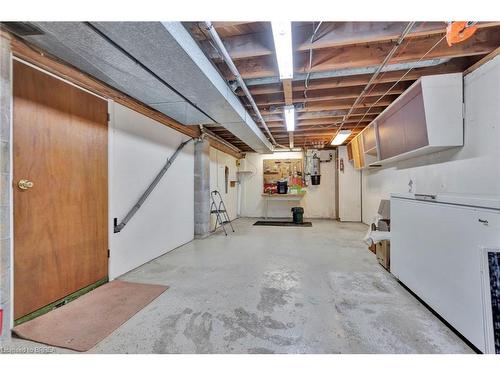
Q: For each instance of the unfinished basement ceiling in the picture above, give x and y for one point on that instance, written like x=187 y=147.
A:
x=344 y=56
x=158 y=64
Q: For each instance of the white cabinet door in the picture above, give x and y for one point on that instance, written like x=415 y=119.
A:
x=435 y=253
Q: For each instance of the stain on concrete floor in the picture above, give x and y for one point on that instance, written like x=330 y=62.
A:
x=277 y=290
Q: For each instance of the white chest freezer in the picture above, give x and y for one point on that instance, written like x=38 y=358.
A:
x=436 y=251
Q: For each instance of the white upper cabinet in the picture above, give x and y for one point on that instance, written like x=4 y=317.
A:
x=426 y=118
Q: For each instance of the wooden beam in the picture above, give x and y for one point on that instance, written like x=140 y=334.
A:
x=482 y=42
x=324 y=134
x=340 y=112
x=335 y=120
x=224 y=148
x=330 y=94
x=335 y=34
x=287 y=90
x=483 y=61
x=453 y=66
x=321 y=121
x=331 y=34
x=307 y=133
x=333 y=105
x=230 y=24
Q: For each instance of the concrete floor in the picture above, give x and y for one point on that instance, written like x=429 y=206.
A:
x=277 y=290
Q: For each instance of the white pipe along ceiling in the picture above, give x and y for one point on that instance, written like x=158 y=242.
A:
x=157 y=63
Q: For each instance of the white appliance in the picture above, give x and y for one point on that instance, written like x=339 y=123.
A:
x=436 y=251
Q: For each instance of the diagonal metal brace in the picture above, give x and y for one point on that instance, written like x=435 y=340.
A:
x=151 y=187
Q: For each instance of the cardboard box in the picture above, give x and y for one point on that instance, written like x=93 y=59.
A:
x=384 y=254
x=373 y=248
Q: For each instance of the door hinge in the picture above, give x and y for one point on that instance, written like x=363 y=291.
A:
x=108 y=117
x=109 y=253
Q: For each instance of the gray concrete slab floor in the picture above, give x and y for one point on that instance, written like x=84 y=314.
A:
x=277 y=290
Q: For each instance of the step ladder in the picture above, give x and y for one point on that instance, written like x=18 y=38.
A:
x=218 y=208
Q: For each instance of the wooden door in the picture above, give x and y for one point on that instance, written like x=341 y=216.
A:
x=60 y=223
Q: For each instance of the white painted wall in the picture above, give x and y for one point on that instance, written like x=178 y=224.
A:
x=218 y=161
x=471 y=169
x=319 y=201
x=139 y=147
x=349 y=189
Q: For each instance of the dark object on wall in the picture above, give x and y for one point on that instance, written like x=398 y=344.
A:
x=316 y=179
x=226 y=178
x=282 y=187
x=298 y=215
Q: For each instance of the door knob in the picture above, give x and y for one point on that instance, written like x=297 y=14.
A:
x=25 y=184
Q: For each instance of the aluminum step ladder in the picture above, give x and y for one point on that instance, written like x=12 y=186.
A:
x=218 y=208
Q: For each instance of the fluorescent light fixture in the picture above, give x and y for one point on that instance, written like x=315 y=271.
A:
x=341 y=137
x=289 y=117
x=282 y=34
x=295 y=149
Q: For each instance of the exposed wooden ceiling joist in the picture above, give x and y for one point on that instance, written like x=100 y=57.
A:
x=321 y=121
x=335 y=104
x=363 y=55
x=219 y=24
x=453 y=66
x=331 y=34
x=313 y=129
x=344 y=52
x=330 y=94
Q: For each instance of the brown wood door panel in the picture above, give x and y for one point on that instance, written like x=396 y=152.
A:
x=60 y=224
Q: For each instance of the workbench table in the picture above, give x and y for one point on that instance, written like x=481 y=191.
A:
x=280 y=197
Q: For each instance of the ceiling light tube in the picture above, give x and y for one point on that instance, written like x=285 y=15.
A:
x=289 y=111
x=282 y=35
x=341 y=137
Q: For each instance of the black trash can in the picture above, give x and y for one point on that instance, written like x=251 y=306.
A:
x=315 y=179
x=298 y=215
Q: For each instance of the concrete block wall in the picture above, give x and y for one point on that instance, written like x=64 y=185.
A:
x=201 y=188
x=218 y=162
